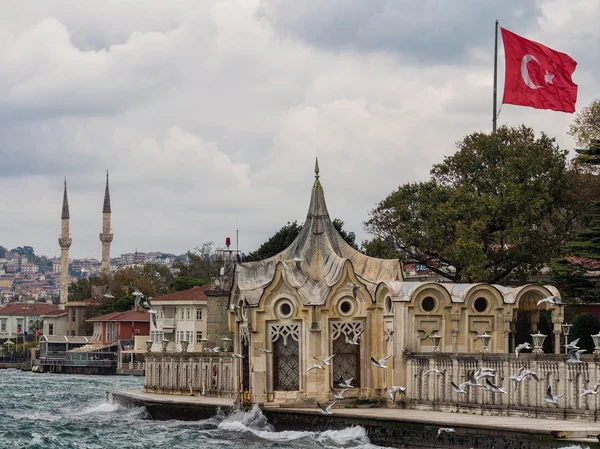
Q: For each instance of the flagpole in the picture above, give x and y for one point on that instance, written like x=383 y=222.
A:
x=495 y=77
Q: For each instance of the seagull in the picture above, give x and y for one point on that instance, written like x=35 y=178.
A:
x=550 y=398
x=311 y=367
x=588 y=392
x=266 y=351
x=396 y=389
x=345 y=383
x=237 y=356
x=354 y=340
x=380 y=363
x=326 y=410
x=136 y=291
x=572 y=345
x=216 y=349
x=234 y=307
x=553 y=300
x=147 y=305
x=484 y=373
x=459 y=388
x=493 y=387
x=107 y=294
x=325 y=361
x=354 y=288
x=434 y=371
x=575 y=356
x=340 y=394
x=442 y=430
x=520 y=347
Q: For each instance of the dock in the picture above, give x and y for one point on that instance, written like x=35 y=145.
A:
x=389 y=427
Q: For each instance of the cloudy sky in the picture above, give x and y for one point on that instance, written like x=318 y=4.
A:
x=209 y=115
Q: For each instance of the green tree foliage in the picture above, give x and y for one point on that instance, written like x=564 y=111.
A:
x=584 y=325
x=185 y=283
x=2 y=251
x=201 y=263
x=498 y=208
x=586 y=125
x=379 y=248
x=286 y=236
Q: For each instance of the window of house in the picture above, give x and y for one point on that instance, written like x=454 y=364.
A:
x=2 y=325
x=73 y=315
x=189 y=314
x=72 y=333
x=286 y=357
x=198 y=314
x=189 y=335
x=198 y=337
x=51 y=329
x=182 y=313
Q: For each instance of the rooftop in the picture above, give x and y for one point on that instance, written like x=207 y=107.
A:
x=22 y=309
x=191 y=294
x=130 y=315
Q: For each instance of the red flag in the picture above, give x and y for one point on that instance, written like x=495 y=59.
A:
x=537 y=76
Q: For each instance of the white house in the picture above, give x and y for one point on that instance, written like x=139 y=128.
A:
x=181 y=316
x=18 y=318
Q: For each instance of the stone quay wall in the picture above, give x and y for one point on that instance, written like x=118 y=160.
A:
x=200 y=374
x=434 y=392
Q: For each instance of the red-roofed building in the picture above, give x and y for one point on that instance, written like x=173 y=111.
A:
x=181 y=316
x=19 y=317
x=116 y=326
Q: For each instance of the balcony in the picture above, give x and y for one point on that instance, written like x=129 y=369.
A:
x=168 y=323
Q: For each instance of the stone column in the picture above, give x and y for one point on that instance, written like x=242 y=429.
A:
x=534 y=319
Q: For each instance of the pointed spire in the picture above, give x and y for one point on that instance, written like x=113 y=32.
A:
x=317 y=211
x=106 y=208
x=65 y=208
x=317 y=171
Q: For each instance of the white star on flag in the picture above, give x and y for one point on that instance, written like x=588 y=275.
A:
x=548 y=77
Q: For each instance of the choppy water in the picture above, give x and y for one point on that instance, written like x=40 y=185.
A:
x=49 y=411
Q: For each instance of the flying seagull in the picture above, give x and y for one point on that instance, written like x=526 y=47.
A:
x=575 y=356
x=354 y=288
x=459 y=388
x=326 y=410
x=326 y=361
x=572 y=345
x=237 y=356
x=108 y=294
x=311 y=367
x=354 y=340
x=266 y=351
x=395 y=389
x=339 y=394
x=443 y=430
x=551 y=300
x=345 y=383
x=521 y=347
x=380 y=363
x=550 y=398
x=484 y=372
x=434 y=371
x=493 y=387
x=588 y=392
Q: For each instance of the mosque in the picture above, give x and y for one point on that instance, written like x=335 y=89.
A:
x=320 y=297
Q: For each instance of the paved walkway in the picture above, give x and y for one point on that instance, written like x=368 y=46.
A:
x=175 y=399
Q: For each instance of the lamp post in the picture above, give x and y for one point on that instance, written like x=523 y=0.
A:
x=538 y=342
x=485 y=342
x=149 y=345
x=203 y=342
x=165 y=343
x=596 y=338
x=435 y=338
x=566 y=328
x=184 y=345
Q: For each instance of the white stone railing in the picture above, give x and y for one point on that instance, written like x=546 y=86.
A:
x=434 y=392
x=203 y=374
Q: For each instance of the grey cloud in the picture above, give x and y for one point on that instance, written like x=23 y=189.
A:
x=424 y=31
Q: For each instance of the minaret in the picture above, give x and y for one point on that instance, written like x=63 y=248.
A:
x=64 y=242
x=106 y=236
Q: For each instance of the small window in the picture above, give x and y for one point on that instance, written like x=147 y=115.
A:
x=198 y=337
x=388 y=304
x=189 y=314
x=285 y=309
x=480 y=304
x=51 y=329
x=428 y=304
x=198 y=314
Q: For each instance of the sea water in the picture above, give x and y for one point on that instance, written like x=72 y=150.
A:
x=49 y=411
x=56 y=411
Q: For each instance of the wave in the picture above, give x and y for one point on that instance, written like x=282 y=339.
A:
x=104 y=407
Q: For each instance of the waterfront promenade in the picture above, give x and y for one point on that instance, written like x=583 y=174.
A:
x=390 y=426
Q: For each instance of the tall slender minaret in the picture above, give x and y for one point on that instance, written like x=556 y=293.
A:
x=106 y=236
x=64 y=241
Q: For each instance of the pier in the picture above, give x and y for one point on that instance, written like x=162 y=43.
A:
x=390 y=427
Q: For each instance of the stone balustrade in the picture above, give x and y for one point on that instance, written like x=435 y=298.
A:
x=203 y=374
x=434 y=392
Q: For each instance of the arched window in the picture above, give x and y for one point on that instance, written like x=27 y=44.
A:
x=286 y=356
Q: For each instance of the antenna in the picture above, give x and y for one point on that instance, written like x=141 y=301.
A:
x=237 y=236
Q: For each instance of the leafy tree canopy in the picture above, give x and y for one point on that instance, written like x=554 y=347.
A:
x=185 y=283
x=586 y=125
x=201 y=263
x=499 y=207
x=2 y=251
x=585 y=325
x=379 y=248
x=286 y=236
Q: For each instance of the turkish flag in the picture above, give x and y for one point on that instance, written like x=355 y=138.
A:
x=537 y=76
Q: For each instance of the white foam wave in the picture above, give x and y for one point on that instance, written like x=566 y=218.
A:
x=354 y=435
x=38 y=416
x=104 y=407
x=575 y=446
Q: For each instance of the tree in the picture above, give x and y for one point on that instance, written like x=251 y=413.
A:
x=585 y=325
x=200 y=263
x=286 y=236
x=2 y=252
x=498 y=208
x=586 y=125
x=185 y=283
x=379 y=248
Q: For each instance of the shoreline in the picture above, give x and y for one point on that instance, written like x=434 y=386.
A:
x=387 y=426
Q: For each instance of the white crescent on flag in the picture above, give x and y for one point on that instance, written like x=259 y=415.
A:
x=525 y=72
